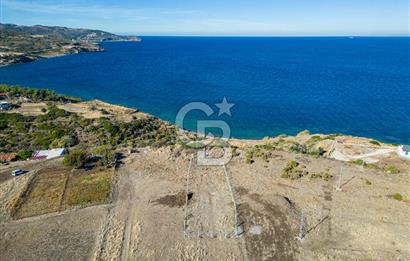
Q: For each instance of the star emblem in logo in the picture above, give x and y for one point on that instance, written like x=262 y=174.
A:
x=224 y=107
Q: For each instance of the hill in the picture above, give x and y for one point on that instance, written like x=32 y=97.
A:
x=20 y=44
x=65 y=33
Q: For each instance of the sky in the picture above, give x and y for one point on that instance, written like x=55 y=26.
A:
x=217 y=17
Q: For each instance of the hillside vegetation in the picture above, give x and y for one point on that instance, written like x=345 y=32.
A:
x=58 y=128
x=19 y=44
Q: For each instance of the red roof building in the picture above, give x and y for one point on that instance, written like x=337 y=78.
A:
x=8 y=157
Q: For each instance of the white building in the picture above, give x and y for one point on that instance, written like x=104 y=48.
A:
x=404 y=151
x=48 y=154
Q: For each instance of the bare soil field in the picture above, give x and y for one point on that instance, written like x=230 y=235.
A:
x=31 y=109
x=145 y=221
x=64 y=236
x=96 y=109
x=361 y=222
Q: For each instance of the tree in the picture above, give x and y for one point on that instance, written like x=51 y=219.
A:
x=24 y=154
x=106 y=153
x=76 y=158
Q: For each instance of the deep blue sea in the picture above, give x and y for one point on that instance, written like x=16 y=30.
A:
x=358 y=86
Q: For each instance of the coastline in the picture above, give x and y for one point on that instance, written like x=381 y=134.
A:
x=23 y=44
x=285 y=112
x=341 y=147
x=325 y=176
x=12 y=58
x=247 y=141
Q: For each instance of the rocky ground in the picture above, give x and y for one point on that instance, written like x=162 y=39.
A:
x=145 y=219
x=12 y=57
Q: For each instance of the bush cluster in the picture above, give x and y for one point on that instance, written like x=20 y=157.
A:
x=76 y=158
x=294 y=170
x=34 y=94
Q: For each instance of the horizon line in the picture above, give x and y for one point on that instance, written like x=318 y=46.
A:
x=267 y=36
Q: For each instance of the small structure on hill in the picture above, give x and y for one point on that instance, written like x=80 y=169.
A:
x=48 y=154
x=7 y=157
x=404 y=151
x=25 y=99
x=4 y=106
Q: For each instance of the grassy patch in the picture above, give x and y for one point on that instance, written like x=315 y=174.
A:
x=359 y=162
x=58 y=188
x=88 y=188
x=392 y=169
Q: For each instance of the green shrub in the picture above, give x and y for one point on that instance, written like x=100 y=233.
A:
x=64 y=142
x=35 y=94
x=325 y=175
x=107 y=154
x=318 y=153
x=266 y=146
x=293 y=170
x=291 y=165
x=11 y=119
x=24 y=154
x=392 y=169
x=360 y=162
x=397 y=196
x=298 y=148
x=76 y=158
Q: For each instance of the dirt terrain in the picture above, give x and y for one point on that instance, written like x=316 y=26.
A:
x=95 y=109
x=146 y=215
x=30 y=109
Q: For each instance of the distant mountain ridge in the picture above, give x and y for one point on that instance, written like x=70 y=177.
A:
x=65 y=33
x=20 y=44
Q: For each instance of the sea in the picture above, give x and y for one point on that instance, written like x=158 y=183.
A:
x=279 y=85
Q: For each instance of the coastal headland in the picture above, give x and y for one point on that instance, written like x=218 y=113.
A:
x=21 y=44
